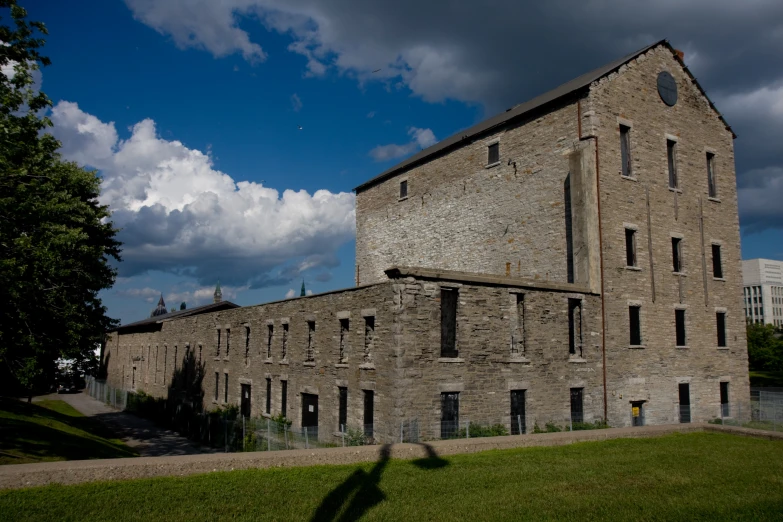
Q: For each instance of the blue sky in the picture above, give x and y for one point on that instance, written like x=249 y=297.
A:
x=180 y=102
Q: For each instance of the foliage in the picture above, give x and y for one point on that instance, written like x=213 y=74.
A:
x=477 y=430
x=53 y=430
x=549 y=427
x=356 y=437
x=282 y=420
x=55 y=238
x=699 y=476
x=765 y=348
x=597 y=425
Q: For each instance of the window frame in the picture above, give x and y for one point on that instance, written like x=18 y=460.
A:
x=631 y=257
x=403 y=189
x=635 y=334
x=493 y=146
x=712 y=182
x=677 y=257
x=342 y=408
x=680 y=325
x=626 y=164
x=720 y=325
x=717 y=261
x=448 y=342
x=671 y=163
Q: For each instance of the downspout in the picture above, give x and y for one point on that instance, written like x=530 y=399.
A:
x=601 y=255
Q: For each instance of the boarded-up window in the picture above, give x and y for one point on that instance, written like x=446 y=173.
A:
x=679 y=319
x=717 y=266
x=712 y=187
x=448 y=322
x=344 y=325
x=630 y=247
x=404 y=189
x=677 y=254
x=625 y=151
x=310 y=352
x=671 y=159
x=720 y=321
x=518 y=334
x=575 y=327
x=493 y=153
x=342 y=414
x=635 y=313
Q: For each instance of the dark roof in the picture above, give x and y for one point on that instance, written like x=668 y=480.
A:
x=212 y=307
x=577 y=84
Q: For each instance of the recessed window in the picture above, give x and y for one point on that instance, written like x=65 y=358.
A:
x=575 y=327
x=677 y=254
x=369 y=412
x=635 y=317
x=724 y=399
x=679 y=319
x=577 y=405
x=283 y=398
x=310 y=351
x=712 y=187
x=630 y=247
x=671 y=158
x=369 y=337
x=403 y=189
x=625 y=150
x=343 y=409
x=448 y=322
x=493 y=153
x=717 y=266
x=720 y=321
x=344 y=328
x=268 y=395
x=270 y=333
x=225 y=390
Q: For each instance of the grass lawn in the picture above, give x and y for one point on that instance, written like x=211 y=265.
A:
x=697 y=476
x=53 y=430
x=765 y=379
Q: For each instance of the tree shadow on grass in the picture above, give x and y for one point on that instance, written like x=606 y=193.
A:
x=361 y=490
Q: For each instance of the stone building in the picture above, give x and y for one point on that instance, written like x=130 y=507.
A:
x=576 y=257
x=763 y=291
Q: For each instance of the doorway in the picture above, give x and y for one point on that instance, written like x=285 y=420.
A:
x=310 y=413
x=245 y=404
x=685 y=402
x=517 y=412
x=637 y=413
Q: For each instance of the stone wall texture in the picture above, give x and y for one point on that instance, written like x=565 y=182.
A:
x=545 y=226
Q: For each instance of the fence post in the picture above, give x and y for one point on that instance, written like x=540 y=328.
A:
x=225 y=432
x=307 y=443
x=519 y=424
x=467 y=429
x=342 y=432
x=268 y=436
x=243 y=433
x=402 y=437
x=570 y=423
x=721 y=415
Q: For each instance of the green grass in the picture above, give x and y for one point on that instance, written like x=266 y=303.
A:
x=766 y=379
x=697 y=476
x=53 y=430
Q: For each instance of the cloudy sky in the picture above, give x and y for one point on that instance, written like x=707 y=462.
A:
x=229 y=134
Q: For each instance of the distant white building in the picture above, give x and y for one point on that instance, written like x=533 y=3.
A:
x=762 y=280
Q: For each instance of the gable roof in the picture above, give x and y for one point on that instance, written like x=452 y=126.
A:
x=580 y=83
x=151 y=321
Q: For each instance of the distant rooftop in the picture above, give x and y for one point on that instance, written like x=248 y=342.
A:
x=212 y=307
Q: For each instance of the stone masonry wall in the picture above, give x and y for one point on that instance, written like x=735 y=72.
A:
x=486 y=369
x=460 y=214
x=321 y=377
x=652 y=372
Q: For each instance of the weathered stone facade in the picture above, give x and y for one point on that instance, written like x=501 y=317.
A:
x=541 y=232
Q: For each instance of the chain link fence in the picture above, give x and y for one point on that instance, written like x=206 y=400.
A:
x=109 y=395
x=764 y=411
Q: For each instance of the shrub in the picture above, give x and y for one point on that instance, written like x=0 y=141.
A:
x=477 y=430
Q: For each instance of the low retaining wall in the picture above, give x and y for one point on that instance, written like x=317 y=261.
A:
x=76 y=472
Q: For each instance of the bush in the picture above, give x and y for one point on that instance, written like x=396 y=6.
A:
x=549 y=427
x=477 y=430
x=597 y=425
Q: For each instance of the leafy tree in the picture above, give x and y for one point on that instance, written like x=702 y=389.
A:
x=55 y=239
x=765 y=349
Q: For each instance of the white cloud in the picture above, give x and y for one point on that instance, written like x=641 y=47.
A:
x=421 y=139
x=149 y=295
x=290 y=294
x=296 y=102
x=178 y=213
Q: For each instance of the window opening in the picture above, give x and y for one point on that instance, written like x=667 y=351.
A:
x=720 y=321
x=671 y=157
x=625 y=150
x=369 y=337
x=448 y=322
x=635 y=313
x=449 y=414
x=577 y=405
x=518 y=334
x=225 y=390
x=369 y=412
x=217 y=385
x=724 y=399
x=404 y=189
x=285 y=340
x=630 y=247
x=518 y=412
x=685 y=402
x=284 y=398
x=344 y=326
x=310 y=352
x=677 y=254
x=575 y=327
x=717 y=267
x=270 y=331
x=679 y=318
x=268 y=395
x=493 y=153
x=342 y=414
x=711 y=185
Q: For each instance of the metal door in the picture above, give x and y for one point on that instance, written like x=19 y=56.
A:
x=245 y=405
x=685 y=402
x=517 y=412
x=449 y=416
x=309 y=410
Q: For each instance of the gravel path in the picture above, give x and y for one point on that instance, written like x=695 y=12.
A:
x=140 y=434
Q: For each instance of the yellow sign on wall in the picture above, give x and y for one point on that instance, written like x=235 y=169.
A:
x=635 y=411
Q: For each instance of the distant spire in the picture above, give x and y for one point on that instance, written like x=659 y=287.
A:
x=218 y=293
x=302 y=293
x=160 y=309
x=182 y=305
